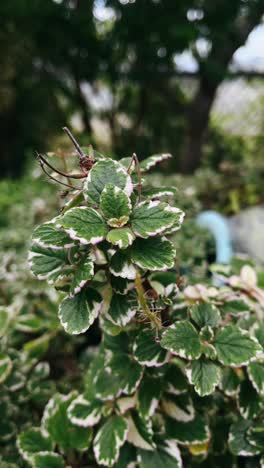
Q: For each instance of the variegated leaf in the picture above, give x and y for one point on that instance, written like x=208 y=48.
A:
x=78 y=313
x=178 y=407
x=109 y=439
x=5 y=367
x=56 y=423
x=230 y=381
x=84 y=413
x=237 y=440
x=32 y=441
x=47 y=460
x=106 y=172
x=122 y=309
x=140 y=432
x=127 y=457
x=84 y=224
x=122 y=237
x=249 y=402
x=115 y=205
x=84 y=272
x=235 y=347
x=166 y=455
x=48 y=235
x=256 y=375
x=147 y=351
x=149 y=393
x=155 y=253
x=182 y=339
x=49 y=264
x=150 y=218
x=126 y=371
x=153 y=160
x=204 y=375
x=121 y=266
x=188 y=433
x=175 y=380
x=160 y=192
x=205 y=314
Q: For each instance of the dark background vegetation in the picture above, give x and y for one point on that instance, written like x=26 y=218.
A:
x=57 y=57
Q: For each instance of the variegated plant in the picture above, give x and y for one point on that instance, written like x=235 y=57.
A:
x=170 y=366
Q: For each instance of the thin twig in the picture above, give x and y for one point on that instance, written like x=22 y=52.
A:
x=72 y=176
x=51 y=177
x=77 y=146
x=65 y=168
x=154 y=319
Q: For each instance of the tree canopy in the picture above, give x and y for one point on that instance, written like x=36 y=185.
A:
x=51 y=51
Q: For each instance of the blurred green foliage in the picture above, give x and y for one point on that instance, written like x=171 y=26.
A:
x=58 y=56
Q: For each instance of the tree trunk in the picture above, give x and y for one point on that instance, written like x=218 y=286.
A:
x=198 y=115
x=212 y=72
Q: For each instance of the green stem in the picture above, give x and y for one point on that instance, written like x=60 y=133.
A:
x=78 y=198
x=143 y=302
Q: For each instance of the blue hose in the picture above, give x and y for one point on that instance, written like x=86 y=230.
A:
x=218 y=226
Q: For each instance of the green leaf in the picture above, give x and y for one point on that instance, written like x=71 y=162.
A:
x=121 y=309
x=49 y=264
x=235 y=347
x=31 y=442
x=106 y=172
x=156 y=253
x=78 y=313
x=140 y=433
x=249 y=402
x=147 y=351
x=127 y=457
x=115 y=205
x=166 y=455
x=62 y=432
x=7 y=431
x=205 y=314
x=5 y=367
x=121 y=266
x=4 y=321
x=237 y=440
x=50 y=236
x=149 y=393
x=151 y=161
x=175 y=381
x=230 y=381
x=160 y=192
x=83 y=273
x=84 y=413
x=29 y=323
x=150 y=218
x=178 y=407
x=126 y=371
x=122 y=237
x=255 y=435
x=47 y=460
x=84 y=224
x=259 y=333
x=256 y=375
x=234 y=307
x=204 y=375
x=188 y=433
x=109 y=439
x=182 y=339
x=106 y=385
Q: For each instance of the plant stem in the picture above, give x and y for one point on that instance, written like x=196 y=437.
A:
x=143 y=302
